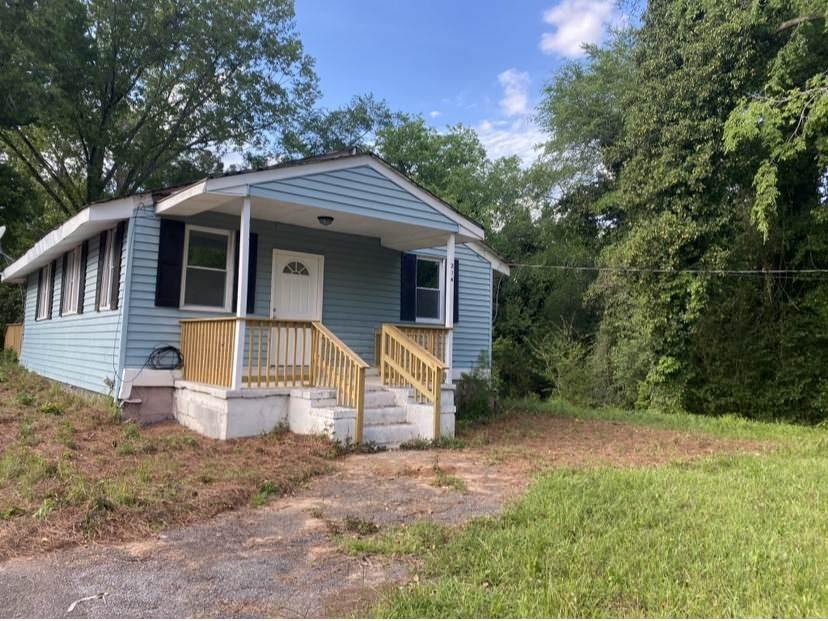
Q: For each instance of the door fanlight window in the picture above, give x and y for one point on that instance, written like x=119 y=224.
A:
x=296 y=268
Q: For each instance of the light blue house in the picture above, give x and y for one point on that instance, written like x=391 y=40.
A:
x=332 y=293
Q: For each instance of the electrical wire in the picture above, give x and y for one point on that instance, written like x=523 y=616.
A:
x=165 y=358
x=656 y=270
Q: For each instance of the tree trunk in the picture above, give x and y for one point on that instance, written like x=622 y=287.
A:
x=94 y=177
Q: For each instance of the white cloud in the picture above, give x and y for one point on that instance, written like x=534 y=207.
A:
x=519 y=137
x=577 y=22
x=515 y=92
x=434 y=114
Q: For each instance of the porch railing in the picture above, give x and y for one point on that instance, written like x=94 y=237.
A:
x=277 y=353
x=334 y=364
x=430 y=338
x=404 y=362
x=13 y=338
x=207 y=347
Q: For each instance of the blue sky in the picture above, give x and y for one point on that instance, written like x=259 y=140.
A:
x=479 y=63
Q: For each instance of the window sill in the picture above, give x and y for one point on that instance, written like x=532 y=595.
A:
x=429 y=321
x=206 y=309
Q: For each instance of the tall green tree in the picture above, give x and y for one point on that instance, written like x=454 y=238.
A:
x=706 y=139
x=127 y=89
x=356 y=124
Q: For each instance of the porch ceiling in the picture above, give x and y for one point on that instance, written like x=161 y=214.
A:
x=403 y=233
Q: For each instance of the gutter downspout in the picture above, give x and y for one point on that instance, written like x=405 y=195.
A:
x=124 y=319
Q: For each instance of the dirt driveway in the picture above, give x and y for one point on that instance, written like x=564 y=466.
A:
x=281 y=561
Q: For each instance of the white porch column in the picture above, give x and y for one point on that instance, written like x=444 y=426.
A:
x=241 y=292
x=449 y=306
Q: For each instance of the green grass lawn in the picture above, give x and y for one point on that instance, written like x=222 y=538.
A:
x=739 y=535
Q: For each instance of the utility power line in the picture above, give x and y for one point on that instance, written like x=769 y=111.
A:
x=656 y=270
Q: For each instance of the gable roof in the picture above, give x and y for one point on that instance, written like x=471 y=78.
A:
x=104 y=214
x=238 y=182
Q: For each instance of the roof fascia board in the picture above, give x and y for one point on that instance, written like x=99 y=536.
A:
x=487 y=253
x=119 y=209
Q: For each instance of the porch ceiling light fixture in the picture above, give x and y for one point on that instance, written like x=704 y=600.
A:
x=325 y=220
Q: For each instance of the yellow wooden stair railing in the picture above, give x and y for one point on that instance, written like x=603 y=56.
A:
x=334 y=364
x=403 y=362
x=430 y=338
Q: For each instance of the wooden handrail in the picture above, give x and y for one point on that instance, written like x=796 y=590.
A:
x=403 y=362
x=431 y=338
x=277 y=353
x=335 y=364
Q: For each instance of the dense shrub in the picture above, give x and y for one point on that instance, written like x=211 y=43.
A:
x=475 y=396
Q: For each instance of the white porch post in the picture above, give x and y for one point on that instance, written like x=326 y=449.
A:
x=449 y=306
x=241 y=292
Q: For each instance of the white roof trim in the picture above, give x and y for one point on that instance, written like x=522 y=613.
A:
x=81 y=226
x=236 y=185
x=498 y=264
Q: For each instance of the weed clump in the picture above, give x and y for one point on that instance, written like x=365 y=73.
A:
x=266 y=491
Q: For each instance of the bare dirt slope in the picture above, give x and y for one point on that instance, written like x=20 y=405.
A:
x=281 y=560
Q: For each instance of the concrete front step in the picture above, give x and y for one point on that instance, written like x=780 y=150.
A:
x=379 y=399
x=389 y=436
x=393 y=415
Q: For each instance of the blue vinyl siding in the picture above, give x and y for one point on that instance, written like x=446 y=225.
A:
x=360 y=190
x=473 y=332
x=360 y=290
x=83 y=349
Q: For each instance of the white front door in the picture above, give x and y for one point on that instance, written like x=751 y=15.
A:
x=296 y=293
x=296 y=289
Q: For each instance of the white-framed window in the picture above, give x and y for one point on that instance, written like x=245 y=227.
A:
x=107 y=273
x=71 y=282
x=44 y=292
x=207 y=271
x=430 y=289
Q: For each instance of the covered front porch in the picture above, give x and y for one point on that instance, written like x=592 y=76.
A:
x=314 y=350
x=307 y=378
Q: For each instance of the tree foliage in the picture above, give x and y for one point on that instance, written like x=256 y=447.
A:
x=123 y=90
x=354 y=125
x=705 y=144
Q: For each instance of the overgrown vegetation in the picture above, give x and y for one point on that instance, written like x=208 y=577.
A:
x=71 y=473
x=737 y=535
x=688 y=146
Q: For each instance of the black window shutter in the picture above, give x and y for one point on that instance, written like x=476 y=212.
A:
x=37 y=293
x=82 y=280
x=63 y=280
x=408 y=287
x=170 y=258
x=456 y=290
x=251 y=272
x=101 y=255
x=235 y=291
x=118 y=245
x=52 y=271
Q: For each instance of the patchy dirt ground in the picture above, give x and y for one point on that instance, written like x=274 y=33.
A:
x=280 y=560
x=71 y=473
